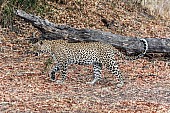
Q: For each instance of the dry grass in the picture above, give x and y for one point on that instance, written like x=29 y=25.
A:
x=159 y=7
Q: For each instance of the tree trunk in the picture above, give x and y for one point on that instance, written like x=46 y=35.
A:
x=129 y=44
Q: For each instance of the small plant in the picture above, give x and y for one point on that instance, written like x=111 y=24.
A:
x=48 y=63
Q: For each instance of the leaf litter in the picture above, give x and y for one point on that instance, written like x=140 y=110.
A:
x=24 y=81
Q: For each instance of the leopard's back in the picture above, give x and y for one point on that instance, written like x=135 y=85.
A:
x=81 y=52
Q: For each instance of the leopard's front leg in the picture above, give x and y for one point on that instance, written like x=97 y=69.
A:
x=62 y=67
x=53 y=72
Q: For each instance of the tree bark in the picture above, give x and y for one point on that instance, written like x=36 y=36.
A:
x=53 y=31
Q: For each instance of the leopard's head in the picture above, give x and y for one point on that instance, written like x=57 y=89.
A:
x=40 y=46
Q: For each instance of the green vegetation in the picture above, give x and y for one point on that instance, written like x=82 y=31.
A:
x=9 y=6
x=48 y=63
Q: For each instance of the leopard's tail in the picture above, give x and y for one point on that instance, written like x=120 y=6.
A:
x=145 y=49
x=138 y=56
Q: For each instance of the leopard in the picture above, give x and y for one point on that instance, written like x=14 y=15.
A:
x=97 y=54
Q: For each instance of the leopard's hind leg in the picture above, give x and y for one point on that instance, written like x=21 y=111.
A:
x=114 y=68
x=97 y=67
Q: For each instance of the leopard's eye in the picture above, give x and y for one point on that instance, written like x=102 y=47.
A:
x=41 y=42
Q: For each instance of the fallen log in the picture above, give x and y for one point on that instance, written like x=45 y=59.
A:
x=131 y=45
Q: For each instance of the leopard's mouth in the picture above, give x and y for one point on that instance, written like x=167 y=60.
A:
x=35 y=53
x=38 y=52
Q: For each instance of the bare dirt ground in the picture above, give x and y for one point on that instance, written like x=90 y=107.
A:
x=25 y=85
